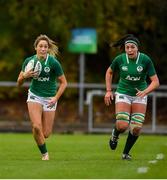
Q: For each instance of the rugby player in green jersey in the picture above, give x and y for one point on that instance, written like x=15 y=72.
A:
x=131 y=93
x=44 y=93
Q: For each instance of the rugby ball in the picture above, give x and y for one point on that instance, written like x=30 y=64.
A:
x=38 y=68
x=29 y=66
x=35 y=66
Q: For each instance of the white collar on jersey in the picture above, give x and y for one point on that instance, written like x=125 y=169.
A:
x=137 y=60
x=46 y=59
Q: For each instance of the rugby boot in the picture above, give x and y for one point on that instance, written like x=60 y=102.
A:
x=113 y=141
x=126 y=157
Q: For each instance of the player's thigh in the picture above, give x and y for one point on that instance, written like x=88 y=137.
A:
x=122 y=107
x=139 y=108
x=139 y=105
x=122 y=103
x=48 y=121
x=35 y=112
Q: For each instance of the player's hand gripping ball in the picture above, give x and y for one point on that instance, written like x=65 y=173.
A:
x=34 y=66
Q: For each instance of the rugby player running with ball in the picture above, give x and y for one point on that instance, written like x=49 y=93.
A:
x=44 y=70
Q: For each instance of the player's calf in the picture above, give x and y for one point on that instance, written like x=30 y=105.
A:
x=122 y=122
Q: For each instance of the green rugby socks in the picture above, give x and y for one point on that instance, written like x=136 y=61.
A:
x=43 y=148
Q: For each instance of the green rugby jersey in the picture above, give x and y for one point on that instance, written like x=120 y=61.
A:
x=45 y=85
x=133 y=72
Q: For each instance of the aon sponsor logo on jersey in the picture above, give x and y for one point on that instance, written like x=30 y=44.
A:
x=42 y=79
x=131 y=78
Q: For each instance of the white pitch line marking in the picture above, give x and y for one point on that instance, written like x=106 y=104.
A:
x=152 y=161
x=160 y=156
x=142 y=169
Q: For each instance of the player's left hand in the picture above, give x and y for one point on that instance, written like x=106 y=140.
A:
x=140 y=93
x=52 y=102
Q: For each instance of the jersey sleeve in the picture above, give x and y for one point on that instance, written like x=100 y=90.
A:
x=58 y=68
x=24 y=64
x=151 y=68
x=114 y=64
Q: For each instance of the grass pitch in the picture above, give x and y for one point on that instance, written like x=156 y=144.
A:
x=81 y=157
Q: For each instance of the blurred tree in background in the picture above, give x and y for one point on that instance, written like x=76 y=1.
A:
x=21 y=21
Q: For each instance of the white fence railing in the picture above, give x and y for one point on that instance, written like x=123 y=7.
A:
x=98 y=90
x=93 y=93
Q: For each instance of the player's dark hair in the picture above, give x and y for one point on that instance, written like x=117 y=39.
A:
x=127 y=38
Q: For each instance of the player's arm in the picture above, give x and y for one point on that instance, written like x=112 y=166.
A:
x=152 y=86
x=20 y=79
x=25 y=75
x=63 y=84
x=109 y=95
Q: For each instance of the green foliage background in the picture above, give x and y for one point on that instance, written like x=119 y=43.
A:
x=21 y=21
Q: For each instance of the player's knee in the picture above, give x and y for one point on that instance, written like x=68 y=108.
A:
x=46 y=134
x=136 y=124
x=135 y=130
x=122 y=126
x=36 y=128
x=122 y=121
